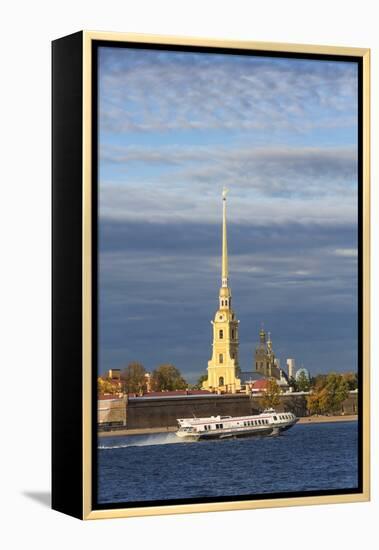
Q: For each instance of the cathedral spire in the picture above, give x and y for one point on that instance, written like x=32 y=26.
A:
x=224 y=270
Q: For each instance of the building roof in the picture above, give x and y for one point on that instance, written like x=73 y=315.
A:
x=260 y=384
x=250 y=376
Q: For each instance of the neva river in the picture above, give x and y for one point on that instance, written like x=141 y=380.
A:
x=158 y=467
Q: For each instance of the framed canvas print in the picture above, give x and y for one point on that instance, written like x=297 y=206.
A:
x=210 y=275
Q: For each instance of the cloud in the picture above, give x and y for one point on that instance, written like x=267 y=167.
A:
x=144 y=91
x=271 y=171
x=347 y=252
x=170 y=205
x=268 y=185
x=159 y=284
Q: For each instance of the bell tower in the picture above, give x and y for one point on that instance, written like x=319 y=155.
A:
x=223 y=367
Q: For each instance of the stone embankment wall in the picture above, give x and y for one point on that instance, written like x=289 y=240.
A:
x=163 y=411
x=112 y=412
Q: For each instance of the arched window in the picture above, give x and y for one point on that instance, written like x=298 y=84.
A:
x=221 y=358
x=232 y=333
x=221 y=334
x=222 y=302
x=221 y=381
x=226 y=302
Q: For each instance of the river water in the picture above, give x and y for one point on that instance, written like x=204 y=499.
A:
x=159 y=467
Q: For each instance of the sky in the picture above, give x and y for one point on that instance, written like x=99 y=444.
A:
x=281 y=135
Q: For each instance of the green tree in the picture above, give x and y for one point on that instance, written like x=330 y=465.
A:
x=199 y=383
x=133 y=378
x=302 y=382
x=167 y=377
x=271 y=397
x=338 y=391
x=352 y=380
x=292 y=383
x=318 y=380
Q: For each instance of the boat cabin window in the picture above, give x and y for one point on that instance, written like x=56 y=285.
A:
x=275 y=418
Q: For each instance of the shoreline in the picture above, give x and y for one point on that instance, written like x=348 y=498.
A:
x=171 y=429
x=324 y=419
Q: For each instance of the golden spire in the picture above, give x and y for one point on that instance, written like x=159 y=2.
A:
x=225 y=270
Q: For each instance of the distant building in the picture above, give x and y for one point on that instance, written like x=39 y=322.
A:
x=265 y=361
x=300 y=372
x=259 y=386
x=148 y=381
x=114 y=374
x=291 y=368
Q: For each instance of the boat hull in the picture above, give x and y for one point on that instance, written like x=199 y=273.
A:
x=234 y=434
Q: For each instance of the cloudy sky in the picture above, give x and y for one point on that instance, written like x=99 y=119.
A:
x=281 y=134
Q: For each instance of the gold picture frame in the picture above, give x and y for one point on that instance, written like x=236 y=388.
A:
x=77 y=50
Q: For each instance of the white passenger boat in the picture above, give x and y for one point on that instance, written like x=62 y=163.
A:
x=220 y=427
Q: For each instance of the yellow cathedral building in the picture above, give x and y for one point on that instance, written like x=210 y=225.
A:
x=223 y=367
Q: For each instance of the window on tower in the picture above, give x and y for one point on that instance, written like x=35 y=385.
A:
x=232 y=333
x=221 y=334
x=221 y=358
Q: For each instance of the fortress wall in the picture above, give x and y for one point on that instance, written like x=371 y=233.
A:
x=112 y=411
x=163 y=411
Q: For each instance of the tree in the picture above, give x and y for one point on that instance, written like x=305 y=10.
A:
x=302 y=382
x=317 y=401
x=199 y=383
x=338 y=391
x=134 y=378
x=318 y=381
x=292 y=383
x=167 y=377
x=329 y=394
x=352 y=380
x=104 y=386
x=271 y=397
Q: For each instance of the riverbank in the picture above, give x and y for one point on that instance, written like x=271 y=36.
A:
x=321 y=419
x=171 y=429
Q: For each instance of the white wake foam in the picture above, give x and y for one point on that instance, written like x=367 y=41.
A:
x=144 y=441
